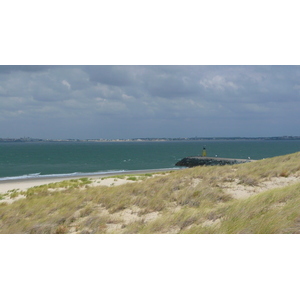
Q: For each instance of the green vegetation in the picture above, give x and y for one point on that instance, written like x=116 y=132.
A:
x=133 y=177
x=184 y=201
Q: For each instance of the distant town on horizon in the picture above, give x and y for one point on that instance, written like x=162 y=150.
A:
x=164 y=139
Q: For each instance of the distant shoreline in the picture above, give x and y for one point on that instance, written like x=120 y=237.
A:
x=31 y=140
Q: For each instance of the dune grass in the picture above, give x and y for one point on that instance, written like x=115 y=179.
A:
x=133 y=177
x=184 y=201
x=275 y=211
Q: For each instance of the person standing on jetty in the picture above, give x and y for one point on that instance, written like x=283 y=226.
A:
x=204 y=152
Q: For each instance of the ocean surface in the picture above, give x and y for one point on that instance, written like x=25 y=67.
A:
x=40 y=159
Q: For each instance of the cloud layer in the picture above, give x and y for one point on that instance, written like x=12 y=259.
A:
x=149 y=101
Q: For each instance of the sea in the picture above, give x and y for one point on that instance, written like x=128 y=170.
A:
x=21 y=160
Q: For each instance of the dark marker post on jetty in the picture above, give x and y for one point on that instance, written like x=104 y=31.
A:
x=193 y=161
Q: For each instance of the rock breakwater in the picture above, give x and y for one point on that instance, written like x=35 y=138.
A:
x=194 y=161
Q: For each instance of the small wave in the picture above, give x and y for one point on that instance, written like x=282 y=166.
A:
x=34 y=175
x=38 y=175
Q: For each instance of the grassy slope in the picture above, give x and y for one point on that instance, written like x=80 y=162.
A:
x=185 y=201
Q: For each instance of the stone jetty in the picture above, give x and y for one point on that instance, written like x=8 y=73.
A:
x=194 y=161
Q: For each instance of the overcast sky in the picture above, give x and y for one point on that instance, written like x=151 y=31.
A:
x=149 y=101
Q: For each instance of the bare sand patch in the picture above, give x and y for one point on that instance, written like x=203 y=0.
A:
x=7 y=188
x=241 y=191
x=110 y=182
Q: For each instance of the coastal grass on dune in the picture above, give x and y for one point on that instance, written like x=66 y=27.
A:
x=251 y=173
x=46 y=212
x=274 y=211
x=184 y=201
x=280 y=166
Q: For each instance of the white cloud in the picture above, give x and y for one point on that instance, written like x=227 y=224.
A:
x=218 y=83
x=67 y=84
x=153 y=95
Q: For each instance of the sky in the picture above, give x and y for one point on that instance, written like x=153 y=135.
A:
x=194 y=71
x=101 y=101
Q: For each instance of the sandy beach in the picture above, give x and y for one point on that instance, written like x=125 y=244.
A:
x=235 y=189
x=23 y=184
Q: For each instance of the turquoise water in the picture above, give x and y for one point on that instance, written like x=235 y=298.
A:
x=21 y=160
